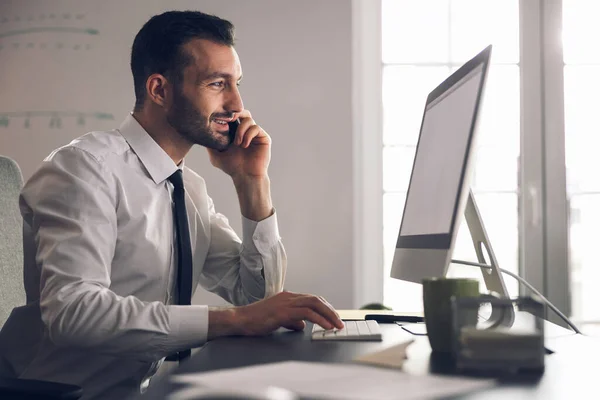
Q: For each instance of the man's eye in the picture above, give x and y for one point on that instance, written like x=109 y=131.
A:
x=217 y=84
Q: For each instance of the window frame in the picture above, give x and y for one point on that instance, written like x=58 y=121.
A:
x=367 y=138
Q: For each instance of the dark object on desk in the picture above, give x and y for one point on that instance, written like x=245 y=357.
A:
x=375 y=306
x=392 y=319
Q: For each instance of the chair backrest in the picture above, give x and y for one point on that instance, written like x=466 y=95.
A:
x=12 y=293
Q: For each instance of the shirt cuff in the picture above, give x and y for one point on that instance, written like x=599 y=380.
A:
x=261 y=235
x=189 y=326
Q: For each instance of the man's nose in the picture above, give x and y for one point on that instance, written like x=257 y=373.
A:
x=234 y=102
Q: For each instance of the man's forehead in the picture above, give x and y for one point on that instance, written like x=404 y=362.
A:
x=209 y=58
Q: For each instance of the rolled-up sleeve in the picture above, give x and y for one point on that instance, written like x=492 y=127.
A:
x=70 y=204
x=248 y=270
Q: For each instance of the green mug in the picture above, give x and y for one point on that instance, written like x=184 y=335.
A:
x=437 y=307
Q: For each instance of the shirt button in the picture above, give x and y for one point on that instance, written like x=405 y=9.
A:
x=256 y=237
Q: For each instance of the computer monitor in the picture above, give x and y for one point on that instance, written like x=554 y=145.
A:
x=439 y=188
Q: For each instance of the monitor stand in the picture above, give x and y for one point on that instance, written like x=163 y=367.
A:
x=492 y=276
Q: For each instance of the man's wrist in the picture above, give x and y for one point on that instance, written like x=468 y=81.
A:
x=242 y=180
x=224 y=322
x=254 y=194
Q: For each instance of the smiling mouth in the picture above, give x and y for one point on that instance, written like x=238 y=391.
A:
x=220 y=121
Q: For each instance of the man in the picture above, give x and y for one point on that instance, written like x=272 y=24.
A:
x=106 y=250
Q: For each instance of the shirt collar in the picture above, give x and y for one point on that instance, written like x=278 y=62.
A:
x=156 y=161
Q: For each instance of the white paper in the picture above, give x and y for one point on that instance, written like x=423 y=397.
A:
x=328 y=381
x=391 y=357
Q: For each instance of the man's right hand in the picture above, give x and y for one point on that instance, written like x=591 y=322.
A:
x=284 y=309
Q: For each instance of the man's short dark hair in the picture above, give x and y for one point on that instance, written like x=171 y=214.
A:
x=158 y=46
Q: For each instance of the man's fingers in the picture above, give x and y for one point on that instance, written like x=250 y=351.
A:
x=244 y=114
x=321 y=308
x=324 y=309
x=329 y=305
x=240 y=133
x=296 y=325
x=250 y=134
x=308 y=314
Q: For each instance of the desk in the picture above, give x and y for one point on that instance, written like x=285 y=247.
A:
x=572 y=370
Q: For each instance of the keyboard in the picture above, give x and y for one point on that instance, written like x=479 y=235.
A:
x=353 y=330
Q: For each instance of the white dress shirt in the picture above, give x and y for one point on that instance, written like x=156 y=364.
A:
x=100 y=265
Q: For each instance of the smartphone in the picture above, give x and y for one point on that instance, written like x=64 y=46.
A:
x=233 y=125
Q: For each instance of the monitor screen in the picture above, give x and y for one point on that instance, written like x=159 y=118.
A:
x=439 y=164
x=440 y=180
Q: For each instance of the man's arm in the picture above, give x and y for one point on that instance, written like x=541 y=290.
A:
x=254 y=194
x=286 y=309
x=70 y=204
x=247 y=161
x=243 y=272
x=246 y=273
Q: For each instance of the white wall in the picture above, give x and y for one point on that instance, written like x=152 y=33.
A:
x=296 y=59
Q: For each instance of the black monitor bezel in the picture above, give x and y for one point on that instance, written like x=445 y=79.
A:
x=444 y=240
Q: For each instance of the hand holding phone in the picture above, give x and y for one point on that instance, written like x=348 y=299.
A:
x=248 y=160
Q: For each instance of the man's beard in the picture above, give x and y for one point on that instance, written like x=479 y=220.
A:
x=185 y=118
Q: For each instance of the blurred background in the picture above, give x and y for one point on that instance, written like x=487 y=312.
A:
x=340 y=85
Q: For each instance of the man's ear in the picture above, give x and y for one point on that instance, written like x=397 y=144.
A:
x=158 y=90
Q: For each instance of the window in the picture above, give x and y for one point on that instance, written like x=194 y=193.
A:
x=534 y=178
x=581 y=89
x=422 y=43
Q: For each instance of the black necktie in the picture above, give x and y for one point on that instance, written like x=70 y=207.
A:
x=184 y=247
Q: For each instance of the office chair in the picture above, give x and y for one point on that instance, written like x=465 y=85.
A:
x=12 y=293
